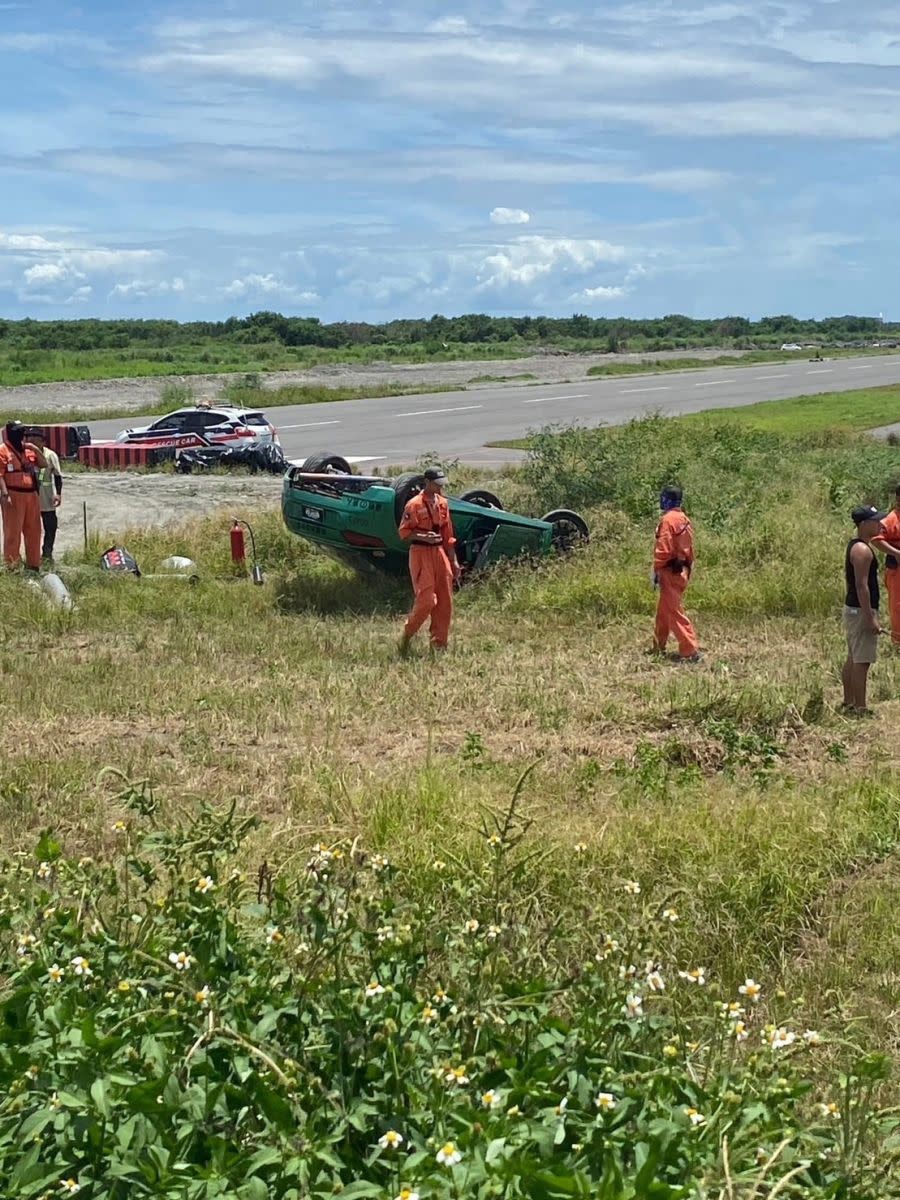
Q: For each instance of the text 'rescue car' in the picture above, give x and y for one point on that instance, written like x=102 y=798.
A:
x=355 y=518
x=205 y=425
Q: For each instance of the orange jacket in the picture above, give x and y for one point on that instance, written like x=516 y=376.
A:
x=890 y=536
x=19 y=470
x=674 y=540
x=425 y=514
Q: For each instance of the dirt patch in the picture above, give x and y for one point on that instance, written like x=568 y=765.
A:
x=137 y=395
x=119 y=500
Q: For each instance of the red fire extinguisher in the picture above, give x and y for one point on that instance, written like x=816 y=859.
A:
x=238 y=546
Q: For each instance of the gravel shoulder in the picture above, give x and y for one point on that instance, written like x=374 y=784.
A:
x=138 y=395
x=121 y=500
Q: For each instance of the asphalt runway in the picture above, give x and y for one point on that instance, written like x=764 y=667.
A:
x=399 y=429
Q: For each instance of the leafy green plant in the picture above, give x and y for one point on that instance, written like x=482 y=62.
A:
x=175 y=1027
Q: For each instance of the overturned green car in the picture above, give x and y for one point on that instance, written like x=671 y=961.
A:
x=355 y=519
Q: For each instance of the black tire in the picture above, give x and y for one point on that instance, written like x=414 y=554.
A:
x=405 y=488
x=325 y=463
x=483 y=499
x=569 y=530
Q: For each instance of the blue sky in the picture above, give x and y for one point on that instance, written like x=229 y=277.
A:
x=404 y=157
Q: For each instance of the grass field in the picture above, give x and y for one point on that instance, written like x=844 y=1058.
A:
x=838 y=412
x=735 y=793
x=52 y=366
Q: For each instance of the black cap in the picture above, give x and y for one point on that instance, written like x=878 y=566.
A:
x=867 y=512
x=435 y=475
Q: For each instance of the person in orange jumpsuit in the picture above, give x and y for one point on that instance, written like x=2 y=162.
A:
x=20 y=496
x=888 y=541
x=426 y=525
x=673 y=561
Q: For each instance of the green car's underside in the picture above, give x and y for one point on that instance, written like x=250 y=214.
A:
x=356 y=517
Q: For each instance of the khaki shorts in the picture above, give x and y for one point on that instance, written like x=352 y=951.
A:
x=862 y=643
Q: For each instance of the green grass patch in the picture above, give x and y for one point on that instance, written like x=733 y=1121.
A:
x=525 y=376
x=867 y=408
x=840 y=412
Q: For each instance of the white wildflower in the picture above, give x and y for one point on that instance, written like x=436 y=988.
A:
x=751 y=990
x=695 y=975
x=634 y=1006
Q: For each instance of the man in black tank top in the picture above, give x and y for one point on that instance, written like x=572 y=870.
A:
x=861 y=608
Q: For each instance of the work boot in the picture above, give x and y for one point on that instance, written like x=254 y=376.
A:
x=405 y=643
x=691 y=658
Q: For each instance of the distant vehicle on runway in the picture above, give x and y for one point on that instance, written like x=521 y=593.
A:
x=206 y=425
x=355 y=518
x=791 y=346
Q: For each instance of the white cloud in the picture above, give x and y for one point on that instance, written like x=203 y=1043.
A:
x=29 y=241
x=267 y=285
x=529 y=259
x=774 y=71
x=510 y=216
x=452 y=25
x=44 y=273
x=103 y=261
x=80 y=295
x=600 y=293
x=418 y=166
x=139 y=289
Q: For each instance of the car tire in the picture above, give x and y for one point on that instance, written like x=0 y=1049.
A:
x=405 y=488
x=569 y=530
x=483 y=499
x=324 y=463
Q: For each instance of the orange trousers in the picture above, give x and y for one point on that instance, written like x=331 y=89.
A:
x=22 y=518
x=670 y=615
x=892 y=582
x=432 y=579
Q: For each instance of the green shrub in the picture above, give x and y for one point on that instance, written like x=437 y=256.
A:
x=174 y=1028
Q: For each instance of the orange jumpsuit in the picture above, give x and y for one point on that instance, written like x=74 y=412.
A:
x=890 y=532
x=674 y=549
x=429 y=566
x=22 y=515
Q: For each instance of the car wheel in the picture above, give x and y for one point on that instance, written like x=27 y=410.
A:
x=324 y=463
x=569 y=530
x=482 y=498
x=405 y=488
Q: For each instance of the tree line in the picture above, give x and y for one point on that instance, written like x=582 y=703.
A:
x=439 y=332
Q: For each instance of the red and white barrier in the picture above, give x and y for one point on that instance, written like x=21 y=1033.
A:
x=150 y=452
x=65 y=440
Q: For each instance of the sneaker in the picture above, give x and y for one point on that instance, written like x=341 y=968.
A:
x=691 y=658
